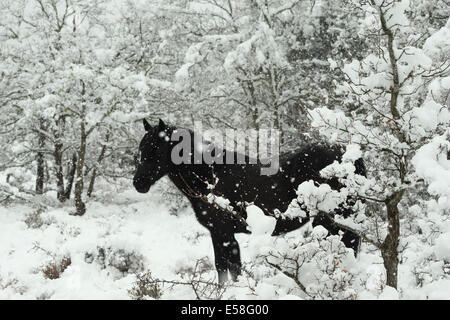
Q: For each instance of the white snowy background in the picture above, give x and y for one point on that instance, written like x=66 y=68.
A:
x=77 y=77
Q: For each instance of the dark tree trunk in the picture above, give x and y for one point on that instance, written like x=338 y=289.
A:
x=40 y=172
x=389 y=248
x=91 y=183
x=58 y=155
x=71 y=176
x=80 y=206
x=60 y=194
x=94 y=172
x=79 y=182
x=255 y=113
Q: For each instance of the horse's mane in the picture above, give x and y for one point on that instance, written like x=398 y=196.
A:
x=317 y=149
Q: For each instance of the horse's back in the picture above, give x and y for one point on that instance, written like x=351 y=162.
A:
x=246 y=183
x=305 y=163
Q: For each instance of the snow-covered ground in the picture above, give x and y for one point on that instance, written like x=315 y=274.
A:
x=135 y=223
x=129 y=233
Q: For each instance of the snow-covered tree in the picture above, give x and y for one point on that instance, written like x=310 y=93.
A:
x=396 y=114
x=75 y=89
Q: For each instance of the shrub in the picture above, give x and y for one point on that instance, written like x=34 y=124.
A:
x=55 y=268
x=145 y=286
x=121 y=259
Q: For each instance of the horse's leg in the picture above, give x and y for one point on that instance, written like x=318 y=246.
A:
x=234 y=258
x=227 y=255
x=226 y=248
x=205 y=215
x=220 y=255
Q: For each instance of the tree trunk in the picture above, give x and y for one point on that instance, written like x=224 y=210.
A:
x=71 y=176
x=40 y=172
x=80 y=206
x=57 y=154
x=255 y=117
x=389 y=249
x=91 y=183
x=79 y=183
x=94 y=172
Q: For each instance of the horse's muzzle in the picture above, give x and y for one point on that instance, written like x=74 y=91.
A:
x=141 y=185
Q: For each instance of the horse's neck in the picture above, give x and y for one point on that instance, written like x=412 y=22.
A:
x=190 y=178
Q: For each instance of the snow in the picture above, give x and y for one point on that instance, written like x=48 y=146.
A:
x=160 y=83
x=139 y=224
x=224 y=61
x=319 y=198
x=105 y=56
x=430 y=115
x=431 y=163
x=389 y=293
x=258 y=51
x=182 y=76
x=439 y=42
x=438 y=290
x=259 y=223
x=442 y=247
x=352 y=153
x=204 y=8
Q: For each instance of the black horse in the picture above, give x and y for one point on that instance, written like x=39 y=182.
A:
x=239 y=183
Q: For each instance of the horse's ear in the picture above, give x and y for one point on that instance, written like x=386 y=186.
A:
x=147 y=125
x=161 y=126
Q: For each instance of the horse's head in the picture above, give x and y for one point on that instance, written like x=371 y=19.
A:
x=154 y=156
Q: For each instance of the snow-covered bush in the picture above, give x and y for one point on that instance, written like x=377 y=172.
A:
x=12 y=284
x=307 y=263
x=145 y=287
x=198 y=280
x=319 y=264
x=35 y=219
x=123 y=260
x=56 y=267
